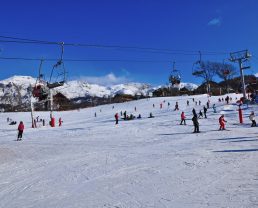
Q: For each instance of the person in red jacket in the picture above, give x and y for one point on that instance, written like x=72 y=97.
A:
x=183 y=118
x=116 y=117
x=222 y=122
x=60 y=121
x=20 y=131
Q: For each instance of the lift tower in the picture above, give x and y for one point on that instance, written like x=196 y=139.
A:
x=241 y=57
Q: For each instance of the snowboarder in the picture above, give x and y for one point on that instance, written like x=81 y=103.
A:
x=176 y=107
x=214 y=108
x=183 y=117
x=252 y=118
x=151 y=116
x=196 y=124
x=205 y=111
x=116 y=117
x=20 y=131
x=60 y=121
x=139 y=116
x=222 y=122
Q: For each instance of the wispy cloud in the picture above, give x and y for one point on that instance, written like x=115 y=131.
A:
x=107 y=80
x=215 y=22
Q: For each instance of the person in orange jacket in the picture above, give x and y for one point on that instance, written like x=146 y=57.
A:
x=222 y=122
x=183 y=117
x=20 y=131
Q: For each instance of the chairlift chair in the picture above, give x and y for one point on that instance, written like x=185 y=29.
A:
x=197 y=66
x=175 y=77
x=58 y=73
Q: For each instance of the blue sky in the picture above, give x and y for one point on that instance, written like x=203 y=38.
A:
x=216 y=26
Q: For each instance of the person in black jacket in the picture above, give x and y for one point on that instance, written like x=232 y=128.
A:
x=205 y=111
x=194 y=112
x=196 y=124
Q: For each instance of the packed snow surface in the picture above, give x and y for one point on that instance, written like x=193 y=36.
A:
x=150 y=162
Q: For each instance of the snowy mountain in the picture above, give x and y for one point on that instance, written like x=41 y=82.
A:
x=16 y=90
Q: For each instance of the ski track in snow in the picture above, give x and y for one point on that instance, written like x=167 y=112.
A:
x=90 y=162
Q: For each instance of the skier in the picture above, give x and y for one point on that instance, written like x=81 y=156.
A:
x=153 y=105
x=116 y=117
x=176 y=107
x=125 y=115
x=208 y=104
x=195 y=102
x=95 y=114
x=200 y=114
x=135 y=109
x=20 y=131
x=205 y=111
x=121 y=113
x=139 y=116
x=200 y=102
x=196 y=124
x=43 y=122
x=160 y=105
x=252 y=118
x=183 y=118
x=214 y=108
x=168 y=104
x=227 y=99
x=194 y=112
x=187 y=102
x=222 y=122
x=193 y=99
x=60 y=121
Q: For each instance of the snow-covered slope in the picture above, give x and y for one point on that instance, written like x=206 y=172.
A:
x=91 y=162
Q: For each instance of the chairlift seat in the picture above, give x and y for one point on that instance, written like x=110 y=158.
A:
x=55 y=84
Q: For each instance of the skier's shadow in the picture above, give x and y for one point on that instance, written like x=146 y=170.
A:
x=75 y=129
x=233 y=138
x=240 y=150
